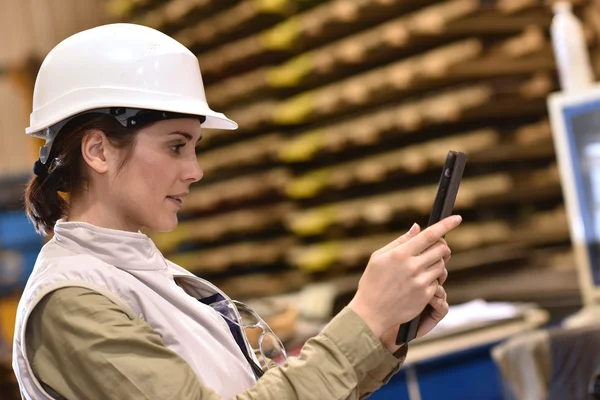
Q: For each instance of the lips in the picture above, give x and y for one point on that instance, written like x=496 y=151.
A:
x=177 y=198
x=177 y=201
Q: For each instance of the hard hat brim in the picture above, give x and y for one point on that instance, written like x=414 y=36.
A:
x=86 y=99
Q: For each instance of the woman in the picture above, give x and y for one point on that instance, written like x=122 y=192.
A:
x=104 y=315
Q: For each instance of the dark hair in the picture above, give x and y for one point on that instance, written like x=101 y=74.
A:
x=44 y=204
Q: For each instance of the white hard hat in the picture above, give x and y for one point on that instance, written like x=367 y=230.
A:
x=118 y=65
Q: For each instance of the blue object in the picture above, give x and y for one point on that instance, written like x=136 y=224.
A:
x=467 y=374
x=19 y=249
x=16 y=231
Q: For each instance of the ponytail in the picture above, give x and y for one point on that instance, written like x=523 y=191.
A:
x=43 y=204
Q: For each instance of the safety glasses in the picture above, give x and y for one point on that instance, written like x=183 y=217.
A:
x=269 y=345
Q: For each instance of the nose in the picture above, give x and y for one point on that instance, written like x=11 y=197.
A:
x=193 y=172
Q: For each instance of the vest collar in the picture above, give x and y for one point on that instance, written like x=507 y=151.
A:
x=125 y=250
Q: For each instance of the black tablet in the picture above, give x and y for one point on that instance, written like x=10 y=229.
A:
x=442 y=207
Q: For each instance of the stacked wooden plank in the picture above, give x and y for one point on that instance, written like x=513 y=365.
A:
x=346 y=111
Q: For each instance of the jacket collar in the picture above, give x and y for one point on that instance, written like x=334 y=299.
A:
x=125 y=250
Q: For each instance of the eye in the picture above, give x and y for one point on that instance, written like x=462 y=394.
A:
x=176 y=148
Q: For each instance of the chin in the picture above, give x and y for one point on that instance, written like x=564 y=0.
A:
x=164 y=224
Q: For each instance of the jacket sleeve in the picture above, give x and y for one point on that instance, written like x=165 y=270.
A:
x=82 y=345
x=383 y=373
x=377 y=377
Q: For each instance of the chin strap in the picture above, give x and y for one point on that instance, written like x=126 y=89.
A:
x=45 y=172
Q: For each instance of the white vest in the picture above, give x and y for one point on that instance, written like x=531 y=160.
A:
x=127 y=268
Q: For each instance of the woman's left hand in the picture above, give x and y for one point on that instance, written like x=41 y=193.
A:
x=435 y=311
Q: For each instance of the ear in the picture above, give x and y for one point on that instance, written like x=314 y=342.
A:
x=94 y=149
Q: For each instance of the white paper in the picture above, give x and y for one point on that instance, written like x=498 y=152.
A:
x=476 y=312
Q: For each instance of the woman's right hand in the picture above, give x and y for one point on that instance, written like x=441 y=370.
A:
x=402 y=277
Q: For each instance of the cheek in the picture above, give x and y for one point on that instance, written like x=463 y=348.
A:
x=147 y=180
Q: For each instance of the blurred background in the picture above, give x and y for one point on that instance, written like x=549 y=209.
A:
x=347 y=109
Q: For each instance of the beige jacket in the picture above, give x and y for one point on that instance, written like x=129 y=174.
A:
x=117 y=320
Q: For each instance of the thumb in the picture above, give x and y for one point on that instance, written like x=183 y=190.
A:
x=413 y=231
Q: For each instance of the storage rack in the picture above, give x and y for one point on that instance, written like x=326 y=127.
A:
x=346 y=111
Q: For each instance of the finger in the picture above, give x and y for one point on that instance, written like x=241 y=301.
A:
x=439 y=301
x=447 y=258
x=414 y=230
x=432 y=289
x=439 y=307
x=434 y=273
x=432 y=234
x=444 y=276
x=439 y=293
x=433 y=255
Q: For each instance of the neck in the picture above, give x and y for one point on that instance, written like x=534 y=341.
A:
x=87 y=207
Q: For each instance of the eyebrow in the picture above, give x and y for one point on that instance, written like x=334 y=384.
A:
x=185 y=135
